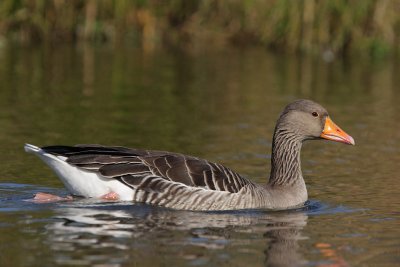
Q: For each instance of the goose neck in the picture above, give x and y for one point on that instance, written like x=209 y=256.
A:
x=285 y=160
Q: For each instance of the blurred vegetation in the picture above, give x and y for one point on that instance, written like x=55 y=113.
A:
x=329 y=27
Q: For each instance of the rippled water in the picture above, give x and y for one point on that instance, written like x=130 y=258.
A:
x=219 y=105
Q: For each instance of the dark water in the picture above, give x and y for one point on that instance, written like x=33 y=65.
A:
x=220 y=105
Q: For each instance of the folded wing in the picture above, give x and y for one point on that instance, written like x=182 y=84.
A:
x=149 y=170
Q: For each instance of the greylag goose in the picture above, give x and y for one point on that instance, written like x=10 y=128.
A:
x=185 y=182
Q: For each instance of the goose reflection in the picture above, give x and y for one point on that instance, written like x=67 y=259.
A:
x=108 y=233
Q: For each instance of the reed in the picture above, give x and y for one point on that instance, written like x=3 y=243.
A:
x=340 y=27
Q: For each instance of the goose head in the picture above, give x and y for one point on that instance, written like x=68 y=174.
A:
x=307 y=120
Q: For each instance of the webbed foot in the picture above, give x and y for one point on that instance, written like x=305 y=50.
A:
x=48 y=198
x=110 y=196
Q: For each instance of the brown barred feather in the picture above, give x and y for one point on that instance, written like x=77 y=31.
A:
x=120 y=169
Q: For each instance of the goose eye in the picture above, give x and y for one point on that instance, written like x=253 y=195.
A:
x=315 y=114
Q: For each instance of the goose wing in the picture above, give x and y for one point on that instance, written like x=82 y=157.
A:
x=143 y=169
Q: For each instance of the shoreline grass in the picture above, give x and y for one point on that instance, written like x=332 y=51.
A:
x=329 y=27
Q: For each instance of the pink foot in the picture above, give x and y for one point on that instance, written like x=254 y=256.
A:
x=48 y=198
x=110 y=196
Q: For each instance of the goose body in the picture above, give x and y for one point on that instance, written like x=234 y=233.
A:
x=185 y=182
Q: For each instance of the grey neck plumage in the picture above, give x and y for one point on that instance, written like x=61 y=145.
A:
x=285 y=160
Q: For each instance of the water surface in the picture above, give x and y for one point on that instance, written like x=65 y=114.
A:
x=219 y=105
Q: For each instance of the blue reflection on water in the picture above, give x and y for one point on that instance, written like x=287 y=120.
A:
x=14 y=196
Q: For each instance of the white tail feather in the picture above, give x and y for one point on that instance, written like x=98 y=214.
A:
x=31 y=148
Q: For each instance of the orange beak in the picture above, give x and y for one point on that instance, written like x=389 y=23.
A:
x=333 y=132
